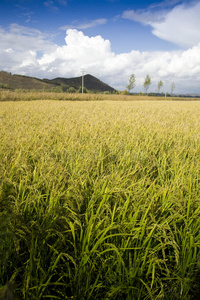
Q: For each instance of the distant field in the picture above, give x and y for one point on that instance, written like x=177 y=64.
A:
x=20 y=95
x=100 y=199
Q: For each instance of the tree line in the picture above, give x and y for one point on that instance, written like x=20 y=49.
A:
x=146 y=84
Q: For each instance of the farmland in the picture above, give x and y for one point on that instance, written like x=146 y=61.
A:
x=100 y=199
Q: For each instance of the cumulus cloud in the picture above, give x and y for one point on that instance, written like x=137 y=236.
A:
x=179 y=25
x=95 y=54
x=18 y=43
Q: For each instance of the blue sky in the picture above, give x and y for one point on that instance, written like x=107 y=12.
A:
x=110 y=39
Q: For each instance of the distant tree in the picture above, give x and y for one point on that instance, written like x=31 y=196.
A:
x=131 y=83
x=71 y=90
x=147 y=83
x=57 y=89
x=172 y=88
x=84 y=90
x=125 y=92
x=160 y=85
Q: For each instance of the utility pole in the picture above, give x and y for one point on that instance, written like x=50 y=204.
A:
x=82 y=70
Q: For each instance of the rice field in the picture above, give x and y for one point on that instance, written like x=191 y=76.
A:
x=100 y=199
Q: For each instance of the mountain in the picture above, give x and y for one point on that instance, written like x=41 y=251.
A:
x=91 y=83
x=22 y=82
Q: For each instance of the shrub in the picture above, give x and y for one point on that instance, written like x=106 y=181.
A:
x=84 y=90
x=4 y=86
x=71 y=90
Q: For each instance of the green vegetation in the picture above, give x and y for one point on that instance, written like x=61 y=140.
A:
x=160 y=85
x=147 y=83
x=172 y=88
x=100 y=199
x=4 y=86
x=84 y=90
x=131 y=83
x=71 y=90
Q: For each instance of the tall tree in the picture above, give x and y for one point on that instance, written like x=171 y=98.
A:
x=131 y=83
x=147 y=83
x=160 y=85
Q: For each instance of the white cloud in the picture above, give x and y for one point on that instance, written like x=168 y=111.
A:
x=146 y=17
x=53 y=5
x=19 y=55
x=62 y=2
x=9 y=50
x=179 y=25
x=17 y=45
x=50 y=4
x=24 y=12
x=23 y=38
x=85 y=25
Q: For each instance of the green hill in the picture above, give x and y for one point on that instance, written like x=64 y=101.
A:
x=91 y=83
